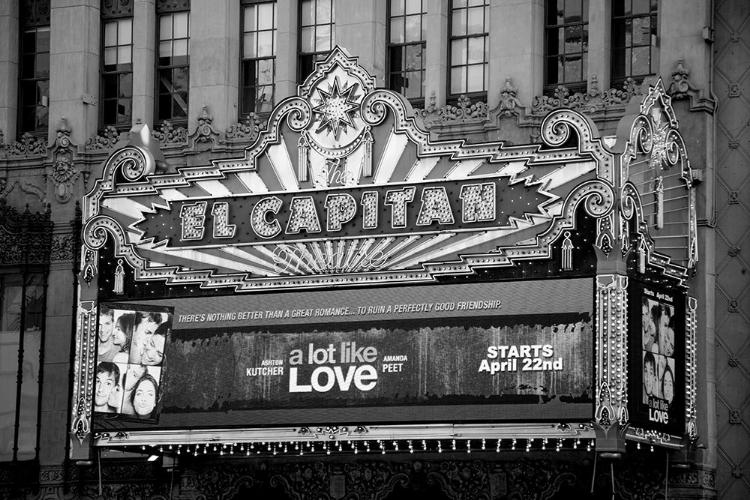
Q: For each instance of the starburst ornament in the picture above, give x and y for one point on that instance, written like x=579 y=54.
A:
x=336 y=108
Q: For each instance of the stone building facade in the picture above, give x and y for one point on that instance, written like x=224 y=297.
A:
x=195 y=80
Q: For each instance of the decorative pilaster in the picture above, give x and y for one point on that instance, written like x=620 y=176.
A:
x=691 y=370
x=612 y=369
x=83 y=370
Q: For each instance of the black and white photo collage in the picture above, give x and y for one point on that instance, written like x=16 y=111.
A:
x=658 y=328
x=130 y=360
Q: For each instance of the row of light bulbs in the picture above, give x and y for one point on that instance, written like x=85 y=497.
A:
x=379 y=446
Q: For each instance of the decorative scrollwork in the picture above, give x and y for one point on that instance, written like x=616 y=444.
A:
x=375 y=106
x=298 y=114
x=133 y=163
x=557 y=128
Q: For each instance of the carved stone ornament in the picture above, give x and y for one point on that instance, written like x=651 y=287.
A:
x=107 y=140
x=247 y=129
x=205 y=132
x=63 y=247
x=464 y=110
x=28 y=145
x=508 y=101
x=680 y=86
x=170 y=135
x=591 y=101
x=64 y=172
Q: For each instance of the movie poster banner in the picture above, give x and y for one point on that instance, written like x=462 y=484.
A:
x=520 y=351
x=657 y=358
x=130 y=360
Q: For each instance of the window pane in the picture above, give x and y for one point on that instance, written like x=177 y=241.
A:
x=265 y=16
x=458 y=27
x=110 y=34
x=413 y=29
x=307 y=39
x=42 y=66
x=165 y=27
x=180 y=79
x=110 y=86
x=323 y=11
x=248 y=74
x=265 y=71
x=28 y=63
x=397 y=30
x=308 y=13
x=165 y=52
x=126 y=85
x=476 y=50
x=180 y=48
x=323 y=38
x=396 y=56
x=249 y=46
x=573 y=39
x=459 y=3
x=397 y=7
x=641 y=62
x=642 y=31
x=250 y=14
x=458 y=52
x=573 y=68
x=109 y=111
x=475 y=78
x=181 y=27
x=618 y=34
x=573 y=11
x=414 y=59
x=458 y=85
x=414 y=85
x=42 y=40
x=641 y=6
x=180 y=106
x=265 y=99
x=476 y=21
x=165 y=81
x=265 y=43
x=123 y=55
x=413 y=6
x=29 y=42
x=125 y=34
x=165 y=107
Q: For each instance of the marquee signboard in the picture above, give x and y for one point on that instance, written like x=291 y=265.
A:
x=349 y=267
x=471 y=352
x=344 y=180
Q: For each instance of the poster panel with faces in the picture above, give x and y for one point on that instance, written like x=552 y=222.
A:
x=657 y=358
x=131 y=341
